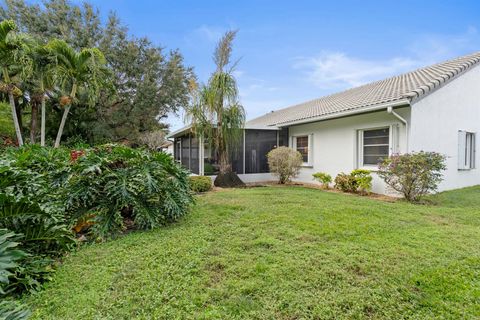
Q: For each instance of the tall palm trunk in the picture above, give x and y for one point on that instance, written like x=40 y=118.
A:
x=14 y=109
x=33 y=120
x=65 y=115
x=15 y=119
x=62 y=125
x=42 y=124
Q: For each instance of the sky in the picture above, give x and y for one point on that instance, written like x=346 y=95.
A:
x=294 y=51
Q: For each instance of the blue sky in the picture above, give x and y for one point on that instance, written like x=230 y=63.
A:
x=293 y=51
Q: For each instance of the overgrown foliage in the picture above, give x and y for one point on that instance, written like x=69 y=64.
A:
x=32 y=193
x=358 y=181
x=116 y=187
x=200 y=183
x=47 y=195
x=324 y=178
x=413 y=174
x=12 y=310
x=284 y=163
x=10 y=256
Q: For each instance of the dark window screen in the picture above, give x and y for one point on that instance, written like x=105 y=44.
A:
x=375 y=145
x=194 y=165
x=257 y=144
x=186 y=151
x=210 y=160
x=283 y=137
x=237 y=158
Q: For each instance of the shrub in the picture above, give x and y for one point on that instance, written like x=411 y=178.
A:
x=324 y=178
x=209 y=169
x=345 y=182
x=11 y=310
x=113 y=186
x=413 y=174
x=200 y=183
x=363 y=180
x=32 y=204
x=44 y=192
x=9 y=256
x=358 y=180
x=285 y=163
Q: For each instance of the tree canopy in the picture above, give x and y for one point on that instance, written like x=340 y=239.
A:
x=145 y=82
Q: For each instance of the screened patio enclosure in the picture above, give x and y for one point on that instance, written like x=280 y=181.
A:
x=249 y=157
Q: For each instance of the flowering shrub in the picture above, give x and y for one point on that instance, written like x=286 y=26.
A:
x=75 y=154
x=285 y=163
x=324 y=178
x=413 y=174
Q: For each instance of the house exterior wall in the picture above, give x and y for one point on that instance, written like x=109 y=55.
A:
x=335 y=143
x=437 y=118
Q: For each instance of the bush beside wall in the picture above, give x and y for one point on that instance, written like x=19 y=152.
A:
x=358 y=181
x=285 y=163
x=324 y=178
x=200 y=183
x=413 y=174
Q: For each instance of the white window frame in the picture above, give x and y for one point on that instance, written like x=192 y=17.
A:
x=466 y=150
x=392 y=141
x=309 y=162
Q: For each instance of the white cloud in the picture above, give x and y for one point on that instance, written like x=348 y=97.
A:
x=338 y=70
x=333 y=70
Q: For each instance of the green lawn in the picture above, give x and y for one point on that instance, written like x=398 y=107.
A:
x=283 y=253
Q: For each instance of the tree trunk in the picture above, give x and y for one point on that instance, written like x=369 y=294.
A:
x=225 y=166
x=15 y=118
x=62 y=125
x=65 y=115
x=42 y=125
x=33 y=121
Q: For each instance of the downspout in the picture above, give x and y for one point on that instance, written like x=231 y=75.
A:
x=403 y=120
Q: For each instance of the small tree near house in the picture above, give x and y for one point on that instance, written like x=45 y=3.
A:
x=413 y=174
x=216 y=113
x=285 y=163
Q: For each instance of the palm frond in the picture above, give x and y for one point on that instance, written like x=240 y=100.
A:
x=223 y=50
x=6 y=26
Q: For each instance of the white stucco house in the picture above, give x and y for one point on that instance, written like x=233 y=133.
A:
x=435 y=108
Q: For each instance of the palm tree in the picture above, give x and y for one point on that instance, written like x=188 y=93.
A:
x=74 y=72
x=12 y=64
x=42 y=83
x=216 y=113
